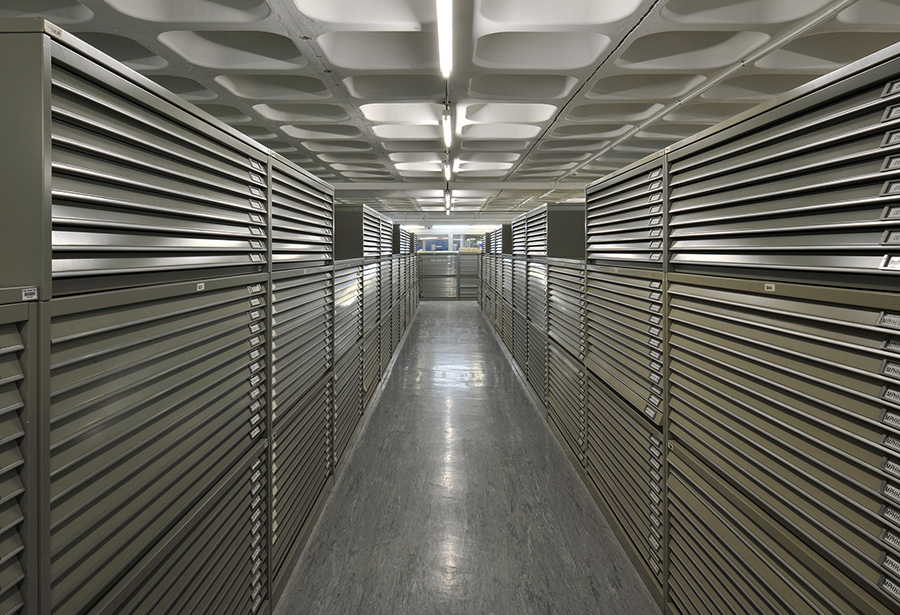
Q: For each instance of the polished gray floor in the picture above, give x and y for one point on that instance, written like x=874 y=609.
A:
x=457 y=499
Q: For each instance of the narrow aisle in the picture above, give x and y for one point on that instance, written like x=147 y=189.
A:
x=457 y=498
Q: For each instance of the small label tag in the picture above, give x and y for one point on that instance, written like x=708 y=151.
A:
x=29 y=294
x=892 y=343
x=655 y=232
x=650 y=412
x=891 y=369
x=657 y=220
x=890 y=586
x=256 y=178
x=656 y=209
x=256 y=191
x=256 y=204
x=891 y=538
x=255 y=433
x=892 y=513
x=892 y=88
x=889 y=320
x=891 y=466
x=655 y=173
x=655 y=400
x=892 y=113
x=891 y=262
x=891 y=394
x=892 y=442
x=891 y=564
x=892 y=491
x=892 y=138
x=891 y=418
x=256 y=164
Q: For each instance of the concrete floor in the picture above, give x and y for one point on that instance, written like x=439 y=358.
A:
x=457 y=499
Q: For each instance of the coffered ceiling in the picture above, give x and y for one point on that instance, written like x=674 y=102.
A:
x=545 y=95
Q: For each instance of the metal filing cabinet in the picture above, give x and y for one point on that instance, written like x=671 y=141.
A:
x=130 y=185
x=302 y=216
x=625 y=217
x=624 y=335
x=19 y=432
x=810 y=377
x=468 y=275
x=371 y=334
x=301 y=385
x=440 y=275
x=624 y=460
x=156 y=428
x=347 y=351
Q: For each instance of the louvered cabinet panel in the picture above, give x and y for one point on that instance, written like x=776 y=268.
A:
x=813 y=189
x=624 y=347
x=565 y=398
x=18 y=403
x=537 y=232
x=302 y=335
x=302 y=361
x=219 y=566
x=397 y=281
x=625 y=216
x=537 y=361
x=302 y=463
x=347 y=309
x=624 y=460
x=537 y=294
x=157 y=397
x=519 y=235
x=406 y=246
x=506 y=328
x=348 y=399
x=520 y=285
x=793 y=393
x=302 y=216
x=396 y=325
x=371 y=232
x=726 y=554
x=520 y=339
x=566 y=306
x=386 y=247
x=141 y=187
x=506 y=286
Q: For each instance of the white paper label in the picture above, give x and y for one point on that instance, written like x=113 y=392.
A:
x=891 y=491
x=891 y=564
x=892 y=466
x=890 y=320
x=890 y=586
x=29 y=294
x=892 y=513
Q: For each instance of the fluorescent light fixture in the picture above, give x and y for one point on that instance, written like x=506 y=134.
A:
x=447 y=171
x=445 y=35
x=448 y=212
x=447 y=200
x=448 y=127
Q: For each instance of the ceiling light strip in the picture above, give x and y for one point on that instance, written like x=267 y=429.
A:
x=445 y=35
